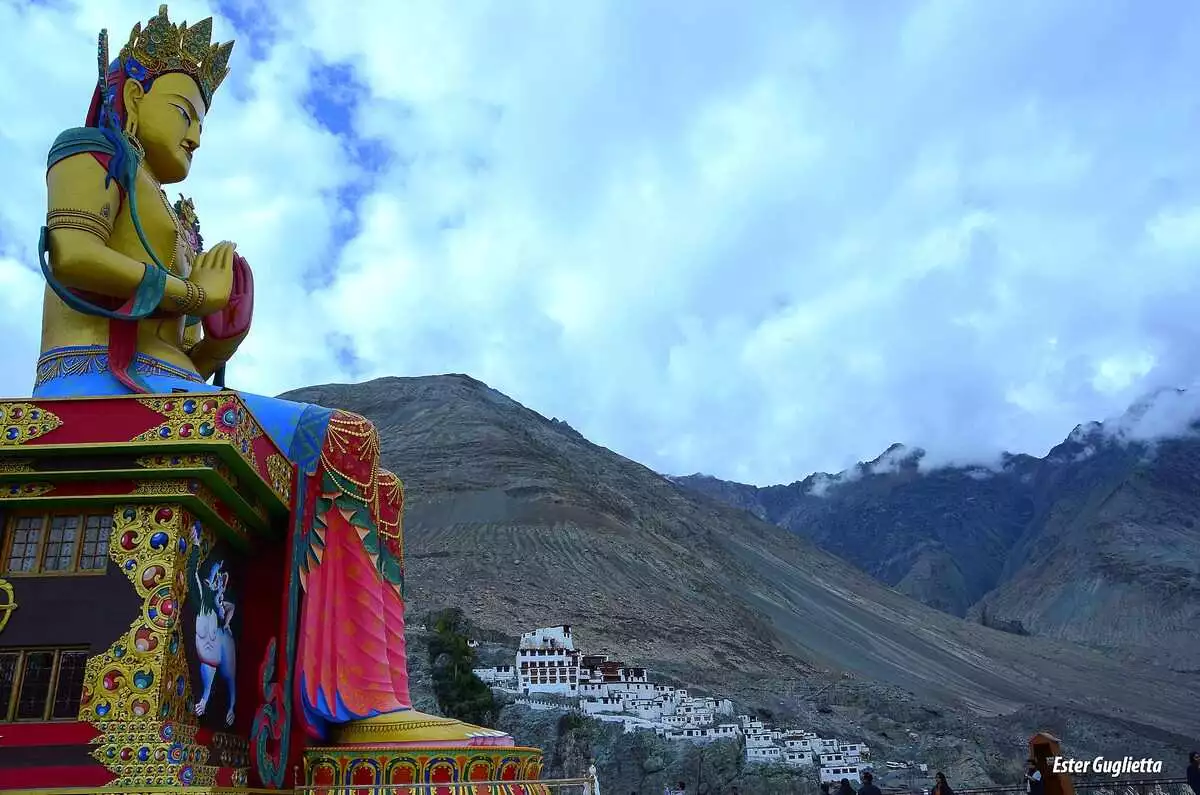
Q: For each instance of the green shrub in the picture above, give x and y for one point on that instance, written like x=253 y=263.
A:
x=460 y=693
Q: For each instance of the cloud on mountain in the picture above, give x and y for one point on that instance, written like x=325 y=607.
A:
x=756 y=242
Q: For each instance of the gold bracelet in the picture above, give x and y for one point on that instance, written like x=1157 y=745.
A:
x=193 y=300
x=83 y=220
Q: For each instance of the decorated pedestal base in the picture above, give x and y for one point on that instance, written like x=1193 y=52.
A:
x=414 y=748
x=184 y=505
x=161 y=501
x=393 y=765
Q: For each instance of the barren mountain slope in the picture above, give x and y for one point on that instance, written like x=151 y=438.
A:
x=941 y=537
x=523 y=522
x=1113 y=558
x=1098 y=542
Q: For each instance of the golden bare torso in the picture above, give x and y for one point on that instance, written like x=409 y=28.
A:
x=162 y=338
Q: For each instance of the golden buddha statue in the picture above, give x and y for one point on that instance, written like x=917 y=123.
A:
x=134 y=303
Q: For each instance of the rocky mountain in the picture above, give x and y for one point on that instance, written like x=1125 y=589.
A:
x=521 y=522
x=1096 y=543
x=941 y=537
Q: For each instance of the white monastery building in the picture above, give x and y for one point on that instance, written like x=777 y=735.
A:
x=547 y=663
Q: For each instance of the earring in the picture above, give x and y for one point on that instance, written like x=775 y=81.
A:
x=131 y=136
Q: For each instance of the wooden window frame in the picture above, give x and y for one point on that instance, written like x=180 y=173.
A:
x=47 y=517
x=14 y=701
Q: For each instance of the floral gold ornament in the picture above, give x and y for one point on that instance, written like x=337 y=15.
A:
x=190 y=488
x=188 y=461
x=213 y=417
x=185 y=211
x=280 y=472
x=23 y=422
x=137 y=692
x=21 y=491
x=8 y=602
x=193 y=461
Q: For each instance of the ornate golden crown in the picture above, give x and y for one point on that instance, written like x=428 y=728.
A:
x=162 y=47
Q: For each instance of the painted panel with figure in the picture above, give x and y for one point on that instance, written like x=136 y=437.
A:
x=213 y=625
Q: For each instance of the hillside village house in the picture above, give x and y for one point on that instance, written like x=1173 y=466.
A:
x=502 y=675
x=797 y=748
x=547 y=663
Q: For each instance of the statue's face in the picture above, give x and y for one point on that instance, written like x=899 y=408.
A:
x=170 y=119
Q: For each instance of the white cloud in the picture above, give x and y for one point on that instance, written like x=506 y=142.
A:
x=754 y=244
x=1165 y=414
x=1176 y=231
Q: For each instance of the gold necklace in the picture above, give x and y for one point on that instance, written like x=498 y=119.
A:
x=166 y=203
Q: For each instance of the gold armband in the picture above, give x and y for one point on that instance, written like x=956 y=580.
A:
x=194 y=299
x=83 y=220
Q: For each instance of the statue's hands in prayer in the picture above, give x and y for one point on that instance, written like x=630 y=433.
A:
x=226 y=328
x=233 y=321
x=212 y=271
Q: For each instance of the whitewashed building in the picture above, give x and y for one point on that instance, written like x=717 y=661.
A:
x=765 y=753
x=793 y=758
x=836 y=773
x=547 y=662
x=500 y=676
x=607 y=704
x=854 y=752
x=834 y=758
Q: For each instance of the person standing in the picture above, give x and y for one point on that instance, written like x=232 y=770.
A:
x=593 y=779
x=844 y=788
x=940 y=787
x=1193 y=772
x=1034 y=785
x=868 y=785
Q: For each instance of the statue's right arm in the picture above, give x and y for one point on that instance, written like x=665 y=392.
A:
x=81 y=258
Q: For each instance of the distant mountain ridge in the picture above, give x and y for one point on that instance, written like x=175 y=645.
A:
x=521 y=521
x=1097 y=542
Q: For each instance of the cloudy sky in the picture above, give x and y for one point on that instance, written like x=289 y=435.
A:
x=751 y=239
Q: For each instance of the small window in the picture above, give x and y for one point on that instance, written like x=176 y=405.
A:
x=62 y=544
x=68 y=687
x=10 y=665
x=41 y=684
x=56 y=544
x=94 y=554
x=26 y=539
x=37 y=680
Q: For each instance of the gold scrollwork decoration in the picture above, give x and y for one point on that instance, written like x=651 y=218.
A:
x=166 y=488
x=217 y=416
x=188 y=461
x=280 y=471
x=137 y=692
x=24 y=422
x=191 y=488
x=19 y=491
x=15 y=466
x=8 y=605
